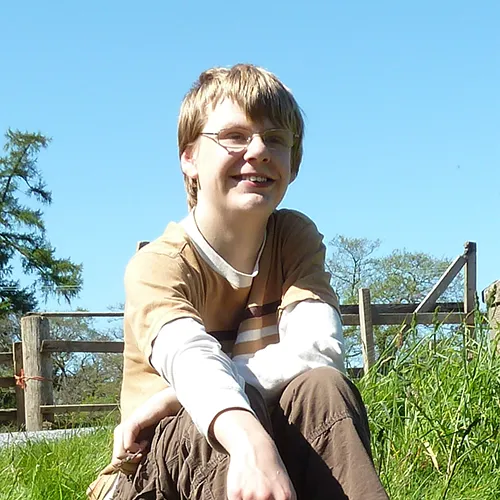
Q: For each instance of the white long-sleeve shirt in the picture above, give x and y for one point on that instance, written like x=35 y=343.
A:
x=207 y=381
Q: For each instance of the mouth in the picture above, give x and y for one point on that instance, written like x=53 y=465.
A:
x=256 y=180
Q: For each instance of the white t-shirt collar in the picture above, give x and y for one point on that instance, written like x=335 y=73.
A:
x=214 y=260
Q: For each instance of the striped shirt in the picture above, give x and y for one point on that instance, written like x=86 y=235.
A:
x=178 y=277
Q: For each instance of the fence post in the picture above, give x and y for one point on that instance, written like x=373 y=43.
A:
x=366 y=328
x=17 y=352
x=37 y=370
x=470 y=286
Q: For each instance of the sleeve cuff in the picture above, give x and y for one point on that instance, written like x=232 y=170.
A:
x=224 y=400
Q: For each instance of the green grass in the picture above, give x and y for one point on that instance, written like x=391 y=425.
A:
x=435 y=420
x=51 y=470
x=435 y=415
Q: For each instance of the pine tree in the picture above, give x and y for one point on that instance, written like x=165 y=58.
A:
x=23 y=236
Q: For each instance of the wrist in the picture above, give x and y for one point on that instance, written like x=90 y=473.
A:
x=237 y=431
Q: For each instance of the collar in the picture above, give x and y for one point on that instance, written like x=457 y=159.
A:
x=236 y=278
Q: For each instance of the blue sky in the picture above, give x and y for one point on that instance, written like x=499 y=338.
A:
x=401 y=101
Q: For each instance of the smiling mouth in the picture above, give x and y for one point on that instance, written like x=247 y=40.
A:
x=254 y=179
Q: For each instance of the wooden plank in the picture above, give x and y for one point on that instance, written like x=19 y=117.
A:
x=444 y=282
x=403 y=308
x=61 y=409
x=77 y=314
x=8 y=415
x=470 y=282
x=18 y=370
x=400 y=318
x=347 y=309
x=366 y=328
x=33 y=330
x=5 y=358
x=81 y=346
x=421 y=318
x=47 y=373
x=7 y=382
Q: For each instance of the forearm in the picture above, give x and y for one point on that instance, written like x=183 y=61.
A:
x=160 y=405
x=237 y=430
x=205 y=380
x=256 y=469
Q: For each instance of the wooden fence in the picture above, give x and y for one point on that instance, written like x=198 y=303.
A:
x=32 y=362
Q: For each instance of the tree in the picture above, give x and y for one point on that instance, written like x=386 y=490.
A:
x=351 y=265
x=400 y=277
x=406 y=278
x=86 y=377
x=22 y=230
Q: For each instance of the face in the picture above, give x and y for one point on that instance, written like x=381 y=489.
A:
x=252 y=181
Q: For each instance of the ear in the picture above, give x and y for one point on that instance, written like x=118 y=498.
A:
x=188 y=163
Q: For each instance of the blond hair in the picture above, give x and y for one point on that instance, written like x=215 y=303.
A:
x=259 y=93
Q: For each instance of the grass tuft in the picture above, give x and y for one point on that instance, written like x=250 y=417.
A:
x=435 y=418
x=50 y=470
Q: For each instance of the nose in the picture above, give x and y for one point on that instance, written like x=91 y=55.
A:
x=257 y=150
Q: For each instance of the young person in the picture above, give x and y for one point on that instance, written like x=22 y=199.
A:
x=233 y=339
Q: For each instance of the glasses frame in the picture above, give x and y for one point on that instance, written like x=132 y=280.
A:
x=215 y=136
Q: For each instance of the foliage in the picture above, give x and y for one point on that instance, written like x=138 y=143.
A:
x=407 y=277
x=22 y=229
x=85 y=377
x=351 y=265
x=49 y=470
x=10 y=330
x=400 y=277
x=435 y=418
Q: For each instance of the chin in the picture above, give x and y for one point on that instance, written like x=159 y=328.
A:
x=255 y=206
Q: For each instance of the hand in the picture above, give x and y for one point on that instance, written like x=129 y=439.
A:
x=127 y=450
x=256 y=471
x=259 y=473
x=129 y=445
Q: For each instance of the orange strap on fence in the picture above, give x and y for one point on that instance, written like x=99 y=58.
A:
x=21 y=379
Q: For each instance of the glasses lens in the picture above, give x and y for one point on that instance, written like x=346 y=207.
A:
x=278 y=138
x=234 y=138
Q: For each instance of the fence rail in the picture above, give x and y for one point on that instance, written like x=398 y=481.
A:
x=97 y=346
x=32 y=360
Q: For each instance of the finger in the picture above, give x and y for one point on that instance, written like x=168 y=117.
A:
x=133 y=448
x=133 y=457
x=128 y=465
x=130 y=433
x=118 y=448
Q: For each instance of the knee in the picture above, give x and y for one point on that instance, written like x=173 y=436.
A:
x=322 y=380
x=323 y=389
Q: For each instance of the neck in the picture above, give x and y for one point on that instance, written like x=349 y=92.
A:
x=237 y=239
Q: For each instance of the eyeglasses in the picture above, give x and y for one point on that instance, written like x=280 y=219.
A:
x=235 y=139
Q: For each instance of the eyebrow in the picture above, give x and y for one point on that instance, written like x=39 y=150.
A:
x=248 y=126
x=236 y=124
